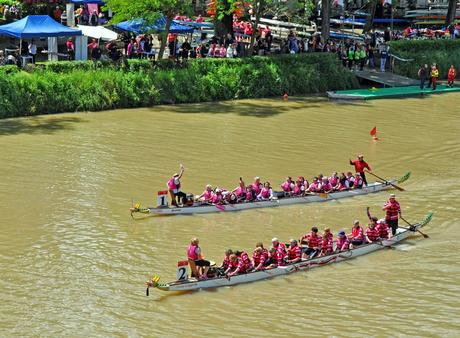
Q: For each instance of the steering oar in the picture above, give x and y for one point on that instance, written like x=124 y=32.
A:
x=386 y=181
x=413 y=227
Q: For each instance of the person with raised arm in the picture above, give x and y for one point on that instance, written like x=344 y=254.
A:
x=174 y=187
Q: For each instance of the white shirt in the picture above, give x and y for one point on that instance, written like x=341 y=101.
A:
x=33 y=49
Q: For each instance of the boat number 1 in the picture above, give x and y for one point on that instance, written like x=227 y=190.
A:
x=162 y=200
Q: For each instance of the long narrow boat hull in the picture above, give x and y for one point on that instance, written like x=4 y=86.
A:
x=192 y=284
x=203 y=209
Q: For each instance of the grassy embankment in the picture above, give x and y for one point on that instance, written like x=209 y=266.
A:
x=76 y=86
x=443 y=52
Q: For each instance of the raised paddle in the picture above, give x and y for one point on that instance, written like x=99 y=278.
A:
x=388 y=182
x=412 y=227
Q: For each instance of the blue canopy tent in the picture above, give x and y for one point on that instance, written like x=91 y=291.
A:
x=138 y=27
x=39 y=26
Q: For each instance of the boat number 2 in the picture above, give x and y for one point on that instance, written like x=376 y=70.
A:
x=182 y=273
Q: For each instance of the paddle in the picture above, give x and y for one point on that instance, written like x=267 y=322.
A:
x=412 y=227
x=380 y=178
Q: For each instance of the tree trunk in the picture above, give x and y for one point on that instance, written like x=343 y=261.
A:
x=325 y=18
x=451 y=12
x=258 y=9
x=224 y=26
x=164 y=41
x=370 y=18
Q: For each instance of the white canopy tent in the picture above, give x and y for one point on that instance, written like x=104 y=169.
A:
x=98 y=32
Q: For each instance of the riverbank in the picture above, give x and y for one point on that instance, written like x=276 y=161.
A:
x=443 y=52
x=70 y=87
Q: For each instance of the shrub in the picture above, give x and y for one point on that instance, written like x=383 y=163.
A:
x=444 y=52
x=75 y=86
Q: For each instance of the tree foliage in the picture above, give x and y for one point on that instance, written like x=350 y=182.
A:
x=149 y=11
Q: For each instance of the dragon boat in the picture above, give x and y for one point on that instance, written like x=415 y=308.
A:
x=280 y=199
x=185 y=283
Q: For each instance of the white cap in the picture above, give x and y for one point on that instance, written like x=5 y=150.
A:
x=257 y=178
x=274 y=239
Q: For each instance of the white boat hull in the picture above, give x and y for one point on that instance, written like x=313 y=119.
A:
x=372 y=188
x=192 y=284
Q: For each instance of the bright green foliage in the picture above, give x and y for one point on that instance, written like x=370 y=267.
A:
x=443 y=52
x=55 y=89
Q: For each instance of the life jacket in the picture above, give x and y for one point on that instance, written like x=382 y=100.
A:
x=358 y=183
x=298 y=189
x=216 y=198
x=207 y=195
x=286 y=186
x=172 y=185
x=373 y=234
x=256 y=188
x=357 y=233
x=382 y=229
x=392 y=211
x=333 y=180
x=341 y=242
x=265 y=193
x=343 y=184
x=294 y=252
x=246 y=261
x=191 y=252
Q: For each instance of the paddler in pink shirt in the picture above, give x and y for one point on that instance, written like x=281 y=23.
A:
x=240 y=190
x=217 y=197
x=334 y=179
x=326 y=186
x=288 y=185
x=314 y=186
x=266 y=193
x=257 y=186
x=206 y=196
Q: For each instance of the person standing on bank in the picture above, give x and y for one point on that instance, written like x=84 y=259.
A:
x=422 y=74
x=174 y=187
x=393 y=212
x=360 y=165
x=33 y=50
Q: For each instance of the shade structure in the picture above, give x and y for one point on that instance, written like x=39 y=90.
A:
x=37 y=26
x=138 y=27
x=98 y=32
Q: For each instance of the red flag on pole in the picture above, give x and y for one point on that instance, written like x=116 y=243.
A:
x=374 y=133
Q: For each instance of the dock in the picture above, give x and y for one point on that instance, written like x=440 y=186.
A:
x=385 y=79
x=390 y=92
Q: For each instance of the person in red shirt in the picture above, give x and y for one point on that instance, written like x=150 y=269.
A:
x=393 y=212
x=372 y=234
x=259 y=257
x=294 y=252
x=313 y=241
x=451 y=74
x=360 y=165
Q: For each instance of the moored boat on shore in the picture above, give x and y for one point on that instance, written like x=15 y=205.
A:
x=189 y=284
x=201 y=208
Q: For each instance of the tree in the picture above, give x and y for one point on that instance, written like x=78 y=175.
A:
x=372 y=4
x=451 y=12
x=325 y=18
x=149 y=11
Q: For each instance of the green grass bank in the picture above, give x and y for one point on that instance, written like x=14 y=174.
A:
x=77 y=86
x=443 y=52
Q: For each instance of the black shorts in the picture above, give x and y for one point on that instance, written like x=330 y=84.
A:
x=356 y=242
x=202 y=262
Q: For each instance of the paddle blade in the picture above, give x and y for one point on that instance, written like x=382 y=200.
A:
x=323 y=195
x=398 y=188
x=373 y=131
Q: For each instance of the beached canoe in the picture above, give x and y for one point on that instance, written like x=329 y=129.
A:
x=188 y=284
x=202 y=208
